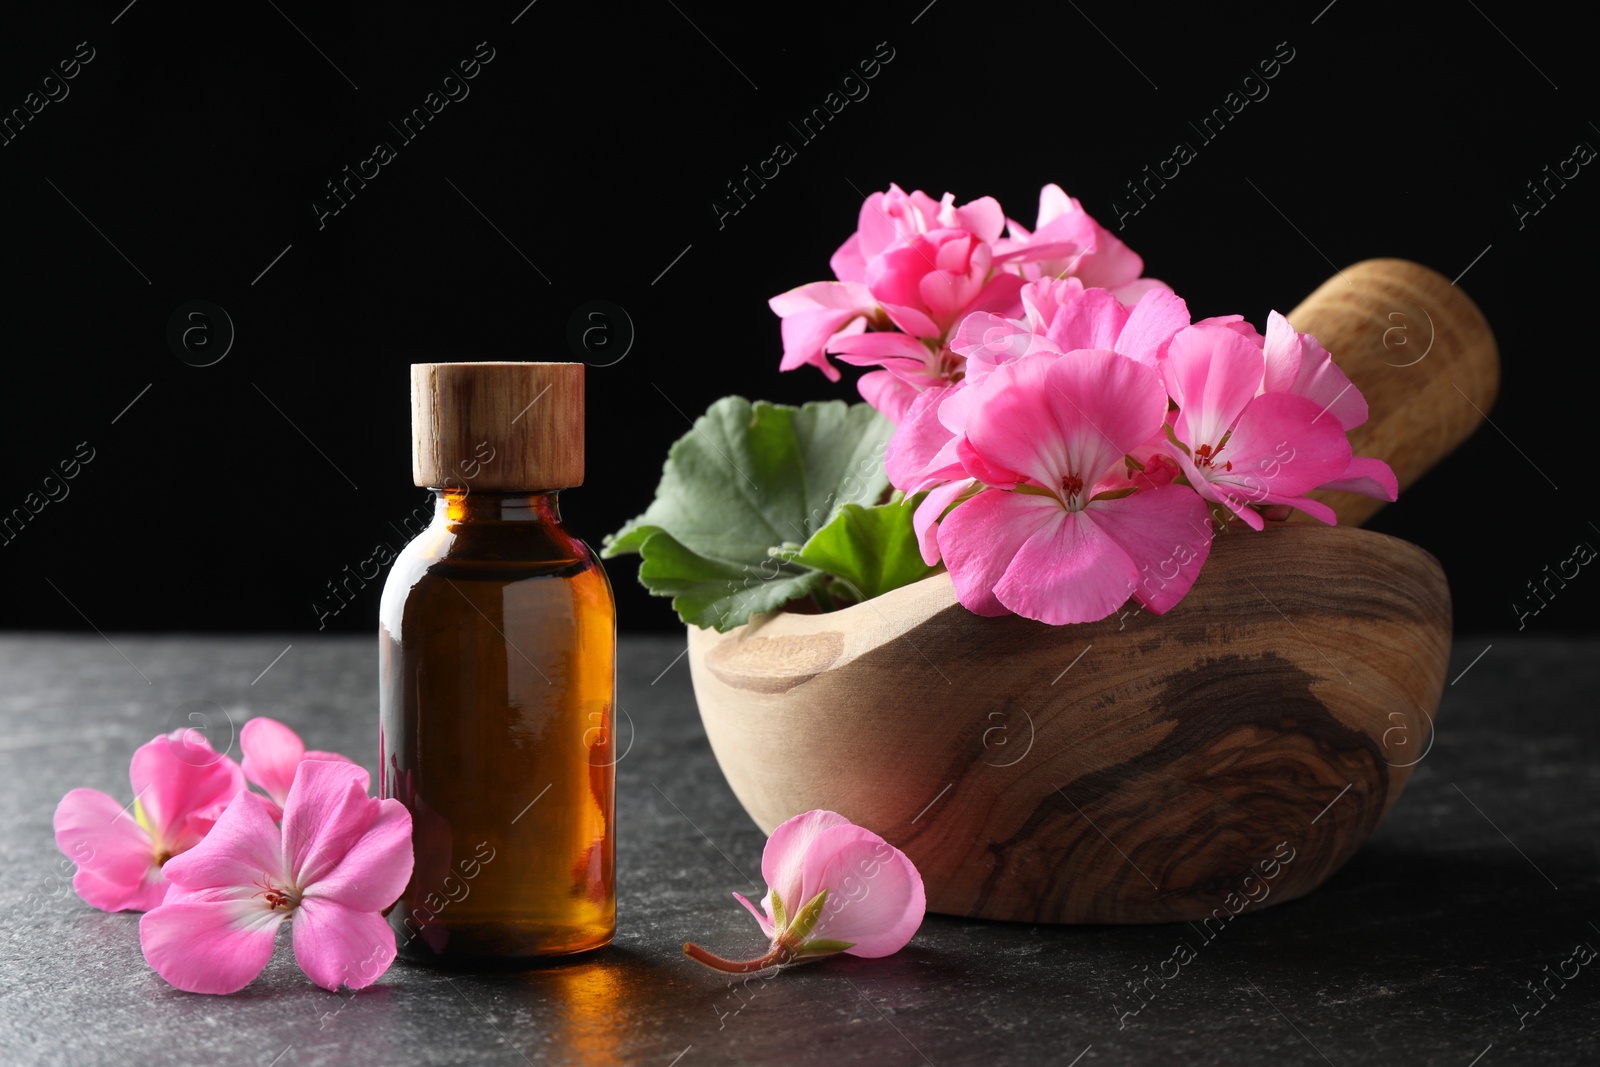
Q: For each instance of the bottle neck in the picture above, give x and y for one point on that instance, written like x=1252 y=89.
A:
x=461 y=505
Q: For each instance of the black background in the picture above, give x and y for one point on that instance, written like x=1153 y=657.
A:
x=591 y=148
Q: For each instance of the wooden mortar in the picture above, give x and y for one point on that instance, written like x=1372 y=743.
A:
x=1228 y=755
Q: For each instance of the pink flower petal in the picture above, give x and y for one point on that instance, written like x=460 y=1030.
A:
x=847 y=262
x=1315 y=508
x=1166 y=533
x=243 y=848
x=1155 y=319
x=892 y=216
x=1283 y=352
x=1053 y=203
x=980 y=538
x=1369 y=477
x=1228 y=496
x=116 y=859
x=327 y=812
x=1282 y=445
x=1212 y=373
x=875 y=894
x=1070 y=570
x=1001 y=295
x=1112 y=264
x=109 y=895
x=336 y=945
x=766 y=923
x=988 y=340
x=926 y=518
x=1103 y=261
x=976 y=466
x=783 y=860
x=373 y=874
x=805 y=339
x=816 y=313
x=895 y=277
x=912 y=320
x=913 y=454
x=273 y=809
x=1094 y=320
x=916 y=373
x=1010 y=422
x=814 y=296
x=1237 y=324
x=981 y=217
x=890 y=394
x=1078 y=414
x=868 y=348
x=1135 y=290
x=271 y=753
x=215 y=946
x=1296 y=363
x=182 y=785
x=1024 y=254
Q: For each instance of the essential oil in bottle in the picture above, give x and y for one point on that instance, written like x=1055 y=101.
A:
x=497 y=642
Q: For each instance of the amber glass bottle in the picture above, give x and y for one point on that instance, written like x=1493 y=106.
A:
x=497 y=639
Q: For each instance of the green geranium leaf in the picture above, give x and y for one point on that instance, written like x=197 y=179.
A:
x=747 y=478
x=873 y=549
x=714 y=594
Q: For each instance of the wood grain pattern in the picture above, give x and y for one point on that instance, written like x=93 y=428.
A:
x=501 y=427
x=1139 y=769
x=1421 y=353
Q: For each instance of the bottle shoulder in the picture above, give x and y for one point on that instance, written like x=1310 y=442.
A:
x=504 y=556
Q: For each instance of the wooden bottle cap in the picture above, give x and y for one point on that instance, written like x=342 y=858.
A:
x=502 y=427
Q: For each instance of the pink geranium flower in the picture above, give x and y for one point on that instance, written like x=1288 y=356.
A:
x=1062 y=534
x=832 y=887
x=890 y=217
x=817 y=315
x=1078 y=246
x=1243 y=446
x=339 y=859
x=925 y=285
x=1059 y=315
x=1297 y=364
x=180 y=786
x=915 y=267
x=272 y=752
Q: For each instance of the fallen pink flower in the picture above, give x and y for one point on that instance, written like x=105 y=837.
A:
x=272 y=752
x=180 y=786
x=339 y=859
x=832 y=887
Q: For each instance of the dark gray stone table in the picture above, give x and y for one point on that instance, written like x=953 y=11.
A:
x=1420 y=951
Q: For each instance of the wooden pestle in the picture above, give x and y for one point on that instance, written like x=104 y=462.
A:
x=1421 y=353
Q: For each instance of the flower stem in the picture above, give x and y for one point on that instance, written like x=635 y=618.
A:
x=779 y=953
